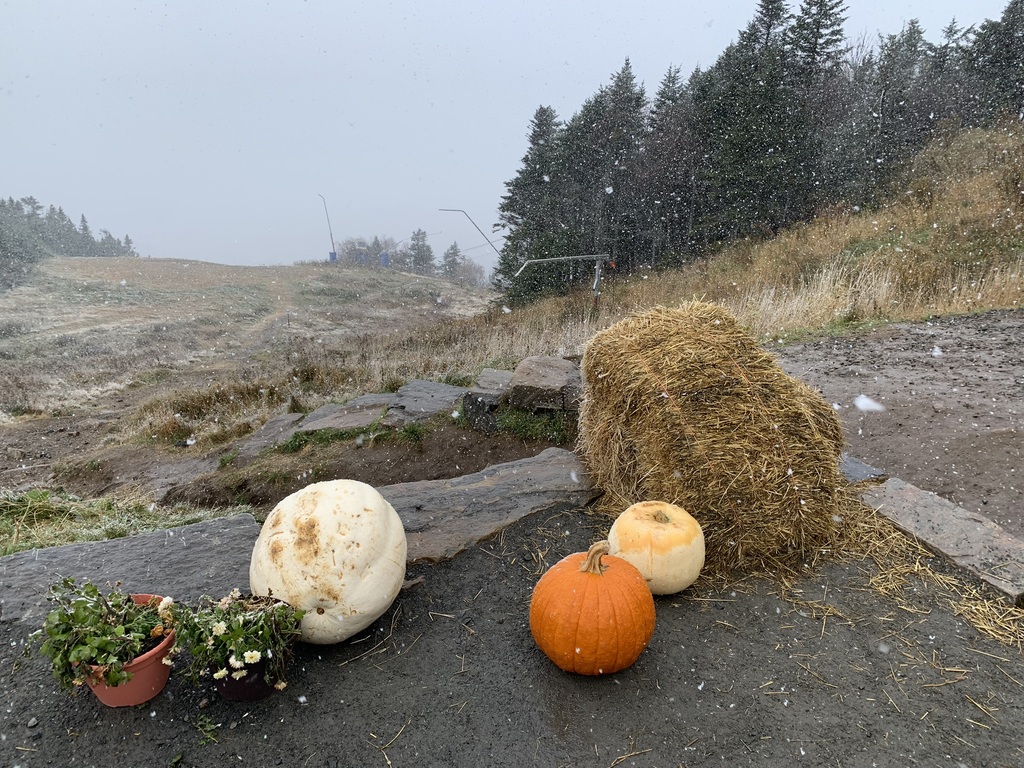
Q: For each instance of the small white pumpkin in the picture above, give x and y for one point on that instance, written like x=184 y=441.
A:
x=663 y=541
x=336 y=549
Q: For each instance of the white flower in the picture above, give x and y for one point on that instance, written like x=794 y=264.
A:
x=235 y=663
x=235 y=593
x=167 y=660
x=239 y=674
x=220 y=674
x=219 y=628
x=251 y=657
x=164 y=609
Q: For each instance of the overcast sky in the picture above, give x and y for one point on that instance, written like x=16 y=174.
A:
x=208 y=130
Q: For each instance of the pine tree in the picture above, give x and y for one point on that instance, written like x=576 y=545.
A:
x=997 y=57
x=671 y=159
x=815 y=42
x=451 y=260
x=757 y=139
x=531 y=210
x=421 y=254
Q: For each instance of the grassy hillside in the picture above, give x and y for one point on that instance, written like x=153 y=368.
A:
x=228 y=345
x=83 y=328
x=950 y=241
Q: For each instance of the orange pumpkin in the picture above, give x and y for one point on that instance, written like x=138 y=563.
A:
x=592 y=613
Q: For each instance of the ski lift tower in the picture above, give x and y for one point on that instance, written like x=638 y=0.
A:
x=599 y=260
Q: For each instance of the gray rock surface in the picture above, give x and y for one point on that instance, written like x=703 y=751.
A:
x=276 y=430
x=969 y=540
x=441 y=517
x=358 y=413
x=211 y=557
x=444 y=517
x=422 y=400
x=545 y=382
x=493 y=380
x=480 y=410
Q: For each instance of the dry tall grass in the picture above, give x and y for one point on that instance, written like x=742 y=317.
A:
x=950 y=242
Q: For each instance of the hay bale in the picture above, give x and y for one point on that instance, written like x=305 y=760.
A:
x=682 y=405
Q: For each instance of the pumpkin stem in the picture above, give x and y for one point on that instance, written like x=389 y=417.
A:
x=592 y=563
x=661 y=517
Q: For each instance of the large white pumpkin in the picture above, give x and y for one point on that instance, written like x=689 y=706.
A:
x=663 y=541
x=336 y=549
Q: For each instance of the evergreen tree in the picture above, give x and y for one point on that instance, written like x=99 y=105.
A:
x=768 y=27
x=672 y=157
x=531 y=210
x=948 y=87
x=815 y=47
x=451 y=261
x=757 y=137
x=815 y=42
x=903 y=121
x=997 y=57
x=421 y=254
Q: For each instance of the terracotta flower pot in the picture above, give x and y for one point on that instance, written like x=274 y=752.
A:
x=149 y=673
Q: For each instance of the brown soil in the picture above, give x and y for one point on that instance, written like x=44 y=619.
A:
x=831 y=670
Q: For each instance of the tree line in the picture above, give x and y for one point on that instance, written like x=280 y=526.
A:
x=792 y=120
x=29 y=232
x=414 y=254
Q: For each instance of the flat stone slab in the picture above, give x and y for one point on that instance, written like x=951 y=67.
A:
x=422 y=400
x=969 y=540
x=358 y=413
x=185 y=563
x=441 y=517
x=275 y=430
x=857 y=471
x=444 y=517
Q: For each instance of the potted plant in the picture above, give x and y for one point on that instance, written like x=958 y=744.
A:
x=242 y=642
x=116 y=643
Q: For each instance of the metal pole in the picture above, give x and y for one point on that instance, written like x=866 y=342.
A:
x=328 y=221
x=459 y=210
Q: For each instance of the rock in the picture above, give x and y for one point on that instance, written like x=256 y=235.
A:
x=358 y=413
x=545 y=383
x=208 y=558
x=276 y=430
x=856 y=470
x=480 y=410
x=971 y=541
x=493 y=380
x=162 y=478
x=444 y=517
x=422 y=400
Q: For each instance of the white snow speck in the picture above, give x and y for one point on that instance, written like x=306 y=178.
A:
x=303 y=700
x=574 y=477
x=506 y=310
x=455 y=414
x=865 y=403
x=609 y=190
x=936 y=352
